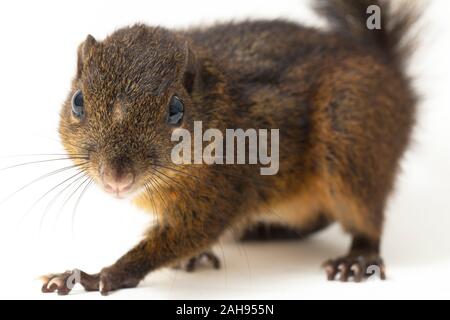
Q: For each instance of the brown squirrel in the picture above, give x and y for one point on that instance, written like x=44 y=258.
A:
x=344 y=108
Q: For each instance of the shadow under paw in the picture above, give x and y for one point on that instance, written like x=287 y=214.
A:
x=204 y=259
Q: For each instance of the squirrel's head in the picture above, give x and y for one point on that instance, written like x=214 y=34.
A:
x=129 y=93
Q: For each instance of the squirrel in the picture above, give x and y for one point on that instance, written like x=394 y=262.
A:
x=342 y=102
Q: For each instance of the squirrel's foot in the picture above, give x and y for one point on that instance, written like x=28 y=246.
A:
x=63 y=283
x=356 y=268
x=104 y=282
x=203 y=259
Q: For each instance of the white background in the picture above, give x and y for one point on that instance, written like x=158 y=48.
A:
x=37 y=61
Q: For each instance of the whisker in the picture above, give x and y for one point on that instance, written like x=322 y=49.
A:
x=45 y=194
x=242 y=250
x=190 y=175
x=72 y=193
x=155 y=210
x=224 y=262
x=160 y=175
x=40 y=178
x=164 y=193
x=56 y=197
x=78 y=202
x=42 y=155
x=159 y=193
x=42 y=161
x=46 y=210
x=241 y=177
x=154 y=188
x=176 y=170
x=157 y=172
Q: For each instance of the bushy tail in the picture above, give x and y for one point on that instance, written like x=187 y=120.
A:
x=350 y=17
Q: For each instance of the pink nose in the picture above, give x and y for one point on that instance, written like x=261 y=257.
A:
x=117 y=185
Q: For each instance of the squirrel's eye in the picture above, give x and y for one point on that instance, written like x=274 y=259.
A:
x=78 y=104
x=176 y=111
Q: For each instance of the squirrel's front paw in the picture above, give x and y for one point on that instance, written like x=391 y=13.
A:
x=63 y=283
x=104 y=282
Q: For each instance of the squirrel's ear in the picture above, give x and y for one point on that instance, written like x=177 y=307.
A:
x=190 y=69
x=84 y=50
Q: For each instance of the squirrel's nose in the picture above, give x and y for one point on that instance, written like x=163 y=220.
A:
x=117 y=184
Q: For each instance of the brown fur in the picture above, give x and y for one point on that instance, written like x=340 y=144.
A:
x=343 y=105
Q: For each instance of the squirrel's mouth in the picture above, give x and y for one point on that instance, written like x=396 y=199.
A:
x=121 y=194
